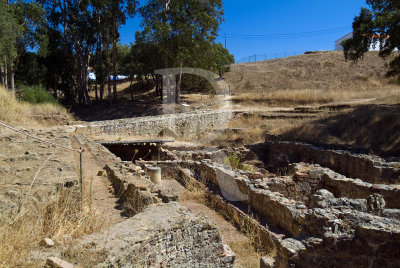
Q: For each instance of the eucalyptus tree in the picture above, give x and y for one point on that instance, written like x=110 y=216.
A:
x=10 y=31
x=119 y=10
x=178 y=28
x=22 y=27
x=76 y=21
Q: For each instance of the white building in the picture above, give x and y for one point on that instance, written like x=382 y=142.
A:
x=338 y=43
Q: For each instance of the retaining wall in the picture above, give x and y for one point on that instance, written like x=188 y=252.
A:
x=186 y=126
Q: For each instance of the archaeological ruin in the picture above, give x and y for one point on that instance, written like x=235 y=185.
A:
x=310 y=205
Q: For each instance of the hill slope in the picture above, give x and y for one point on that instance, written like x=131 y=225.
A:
x=323 y=70
x=26 y=114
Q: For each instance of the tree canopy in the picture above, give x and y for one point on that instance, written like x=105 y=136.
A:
x=56 y=44
x=377 y=25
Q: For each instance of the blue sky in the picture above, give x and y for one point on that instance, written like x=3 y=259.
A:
x=278 y=19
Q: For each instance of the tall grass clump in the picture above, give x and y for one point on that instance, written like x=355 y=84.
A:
x=11 y=110
x=32 y=103
x=59 y=218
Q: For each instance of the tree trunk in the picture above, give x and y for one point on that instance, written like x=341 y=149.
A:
x=167 y=80
x=114 y=61
x=5 y=77
x=2 y=75
x=107 y=45
x=95 y=92
x=81 y=98
x=85 y=74
x=12 y=75
x=98 y=49
x=131 y=88
x=101 y=91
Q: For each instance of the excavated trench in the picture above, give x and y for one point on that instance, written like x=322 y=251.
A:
x=308 y=206
x=143 y=150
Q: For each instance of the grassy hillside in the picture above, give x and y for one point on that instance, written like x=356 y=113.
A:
x=24 y=113
x=314 y=78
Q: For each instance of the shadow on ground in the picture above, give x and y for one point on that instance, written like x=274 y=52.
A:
x=133 y=101
x=374 y=127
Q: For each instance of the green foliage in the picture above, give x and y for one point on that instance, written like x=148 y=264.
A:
x=10 y=31
x=36 y=95
x=183 y=34
x=380 y=22
x=233 y=161
x=222 y=59
x=247 y=167
x=31 y=70
x=71 y=35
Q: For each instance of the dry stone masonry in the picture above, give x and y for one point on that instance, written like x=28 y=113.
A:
x=308 y=213
x=165 y=235
x=187 y=126
x=159 y=232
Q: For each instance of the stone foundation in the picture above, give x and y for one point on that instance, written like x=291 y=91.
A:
x=278 y=154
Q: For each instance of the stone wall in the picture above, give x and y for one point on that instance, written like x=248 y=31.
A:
x=159 y=232
x=278 y=154
x=130 y=182
x=186 y=126
x=341 y=186
x=166 y=235
x=322 y=230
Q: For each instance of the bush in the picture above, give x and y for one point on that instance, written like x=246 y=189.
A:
x=232 y=161
x=394 y=81
x=36 y=95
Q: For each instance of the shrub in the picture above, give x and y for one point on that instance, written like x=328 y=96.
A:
x=233 y=161
x=36 y=95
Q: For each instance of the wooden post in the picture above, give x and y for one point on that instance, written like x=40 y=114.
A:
x=81 y=176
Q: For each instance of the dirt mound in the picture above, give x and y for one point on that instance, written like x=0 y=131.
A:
x=313 y=71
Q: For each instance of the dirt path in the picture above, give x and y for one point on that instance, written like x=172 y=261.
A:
x=96 y=190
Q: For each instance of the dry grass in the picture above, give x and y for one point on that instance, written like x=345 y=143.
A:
x=311 y=79
x=59 y=219
x=246 y=248
x=194 y=191
x=323 y=71
x=23 y=113
x=375 y=127
x=288 y=97
x=252 y=129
